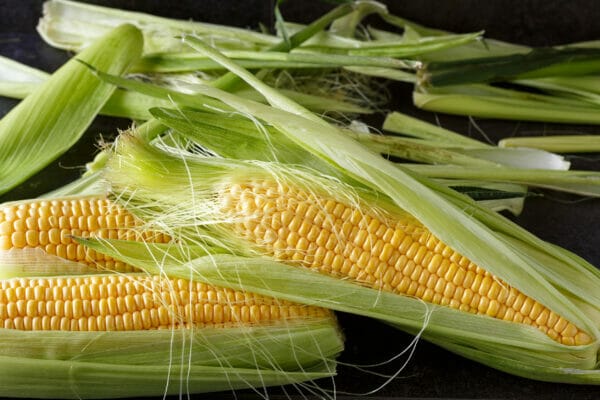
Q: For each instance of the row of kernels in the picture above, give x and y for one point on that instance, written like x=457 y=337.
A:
x=131 y=308
x=66 y=208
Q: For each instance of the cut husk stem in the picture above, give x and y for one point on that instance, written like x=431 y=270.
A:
x=556 y=143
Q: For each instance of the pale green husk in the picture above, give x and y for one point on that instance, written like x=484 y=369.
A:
x=54 y=364
x=485 y=101
x=556 y=143
x=56 y=114
x=19 y=80
x=73 y=26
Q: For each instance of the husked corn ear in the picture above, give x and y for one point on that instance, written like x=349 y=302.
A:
x=396 y=255
x=134 y=302
x=50 y=225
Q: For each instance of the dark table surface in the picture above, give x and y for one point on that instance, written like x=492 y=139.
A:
x=564 y=220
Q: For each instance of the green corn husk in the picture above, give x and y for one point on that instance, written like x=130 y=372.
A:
x=537 y=63
x=116 y=364
x=156 y=183
x=234 y=136
x=556 y=143
x=57 y=113
x=72 y=25
x=18 y=81
x=241 y=138
x=493 y=102
x=444 y=139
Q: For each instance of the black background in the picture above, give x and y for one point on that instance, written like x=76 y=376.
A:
x=565 y=220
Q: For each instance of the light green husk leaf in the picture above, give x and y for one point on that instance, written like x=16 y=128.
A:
x=386 y=73
x=329 y=42
x=73 y=26
x=58 y=112
x=346 y=26
x=407 y=125
x=584 y=88
x=183 y=62
x=492 y=102
x=54 y=364
x=18 y=81
x=584 y=183
x=455 y=154
x=468 y=334
x=482 y=48
x=556 y=143
x=314 y=103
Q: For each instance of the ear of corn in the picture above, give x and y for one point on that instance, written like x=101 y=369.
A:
x=37 y=236
x=513 y=258
x=208 y=338
x=133 y=334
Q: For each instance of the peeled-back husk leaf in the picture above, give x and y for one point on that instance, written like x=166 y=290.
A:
x=73 y=25
x=51 y=119
x=524 y=346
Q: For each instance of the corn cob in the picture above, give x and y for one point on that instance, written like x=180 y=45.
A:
x=399 y=255
x=50 y=225
x=134 y=302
